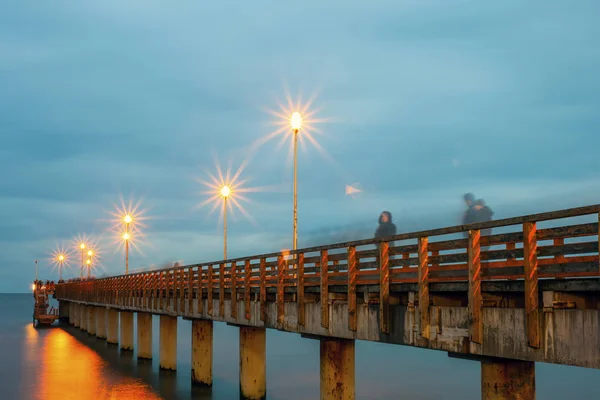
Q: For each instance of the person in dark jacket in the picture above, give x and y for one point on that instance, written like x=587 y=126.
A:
x=469 y=216
x=386 y=226
x=483 y=214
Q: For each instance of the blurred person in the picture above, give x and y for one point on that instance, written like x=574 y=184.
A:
x=386 y=226
x=483 y=213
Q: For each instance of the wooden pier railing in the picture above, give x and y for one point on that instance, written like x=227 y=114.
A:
x=524 y=252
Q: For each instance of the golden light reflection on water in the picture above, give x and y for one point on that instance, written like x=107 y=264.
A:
x=71 y=370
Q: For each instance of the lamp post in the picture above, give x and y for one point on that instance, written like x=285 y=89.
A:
x=225 y=192
x=126 y=238
x=82 y=247
x=127 y=220
x=61 y=261
x=90 y=254
x=296 y=123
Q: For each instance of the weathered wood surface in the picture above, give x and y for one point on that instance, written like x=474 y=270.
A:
x=285 y=287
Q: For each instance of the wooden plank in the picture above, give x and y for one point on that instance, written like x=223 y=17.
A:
x=280 y=289
x=475 y=296
x=384 y=285
x=324 y=289
x=263 y=290
x=300 y=290
x=247 y=276
x=531 y=284
x=424 y=286
x=234 y=290
x=352 y=319
x=209 y=304
x=222 y=290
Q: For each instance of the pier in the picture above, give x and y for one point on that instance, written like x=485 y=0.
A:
x=529 y=292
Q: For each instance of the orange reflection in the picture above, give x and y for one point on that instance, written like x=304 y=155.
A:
x=69 y=369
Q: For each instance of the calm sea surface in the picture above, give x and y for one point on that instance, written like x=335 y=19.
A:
x=66 y=363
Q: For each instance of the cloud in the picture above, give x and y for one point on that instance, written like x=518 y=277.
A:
x=427 y=99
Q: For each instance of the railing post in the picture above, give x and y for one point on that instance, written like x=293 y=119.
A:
x=300 y=288
x=263 y=290
x=200 y=297
x=324 y=289
x=384 y=287
x=247 y=277
x=233 y=290
x=280 y=289
x=352 y=320
x=222 y=290
x=531 y=284
x=475 y=296
x=190 y=290
x=209 y=302
x=424 y=287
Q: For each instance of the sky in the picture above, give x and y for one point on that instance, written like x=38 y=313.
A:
x=419 y=102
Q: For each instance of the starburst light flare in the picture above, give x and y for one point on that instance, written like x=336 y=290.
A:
x=60 y=258
x=128 y=213
x=295 y=117
x=227 y=186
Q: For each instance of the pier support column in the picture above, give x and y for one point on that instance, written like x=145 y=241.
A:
x=71 y=313
x=253 y=380
x=126 y=330
x=144 y=335
x=83 y=317
x=76 y=318
x=112 y=326
x=168 y=342
x=101 y=322
x=91 y=320
x=507 y=379
x=202 y=349
x=63 y=310
x=337 y=369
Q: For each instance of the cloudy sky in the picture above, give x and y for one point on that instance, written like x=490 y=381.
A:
x=424 y=100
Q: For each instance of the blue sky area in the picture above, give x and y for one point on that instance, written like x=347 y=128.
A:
x=425 y=100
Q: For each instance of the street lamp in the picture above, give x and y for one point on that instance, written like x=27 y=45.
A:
x=82 y=247
x=89 y=267
x=61 y=260
x=127 y=220
x=296 y=124
x=225 y=192
x=126 y=237
x=90 y=254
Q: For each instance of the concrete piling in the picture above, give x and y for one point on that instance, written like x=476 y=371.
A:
x=126 y=325
x=503 y=379
x=168 y=342
x=253 y=381
x=91 y=320
x=337 y=369
x=144 y=335
x=112 y=326
x=101 y=322
x=202 y=350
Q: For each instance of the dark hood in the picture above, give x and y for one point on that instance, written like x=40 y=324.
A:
x=389 y=215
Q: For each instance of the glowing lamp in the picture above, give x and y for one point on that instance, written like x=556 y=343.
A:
x=88 y=262
x=126 y=236
x=225 y=191
x=61 y=258
x=296 y=121
x=90 y=253
x=127 y=219
x=82 y=246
